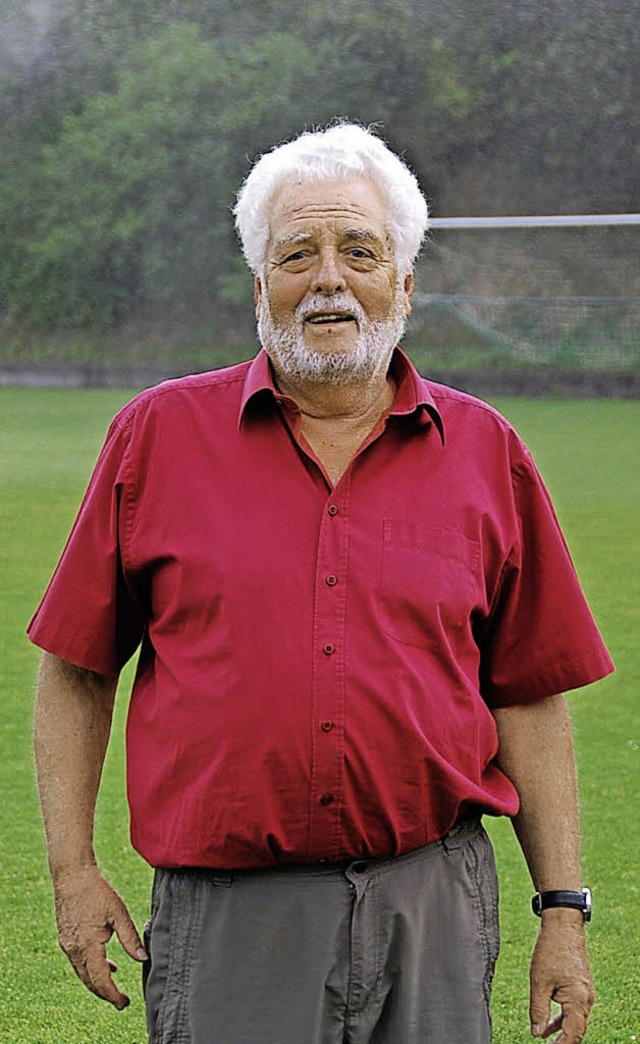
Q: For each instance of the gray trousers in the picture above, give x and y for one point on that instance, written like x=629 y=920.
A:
x=395 y=951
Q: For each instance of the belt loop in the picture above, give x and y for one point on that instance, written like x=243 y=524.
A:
x=460 y=833
x=221 y=879
x=451 y=839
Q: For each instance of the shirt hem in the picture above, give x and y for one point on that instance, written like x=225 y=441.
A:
x=574 y=675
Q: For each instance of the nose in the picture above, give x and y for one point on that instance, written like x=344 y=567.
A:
x=328 y=279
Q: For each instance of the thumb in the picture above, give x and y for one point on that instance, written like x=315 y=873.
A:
x=127 y=934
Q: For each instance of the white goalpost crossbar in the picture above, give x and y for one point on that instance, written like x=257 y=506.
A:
x=599 y=330
x=535 y=221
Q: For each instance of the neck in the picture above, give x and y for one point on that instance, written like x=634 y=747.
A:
x=351 y=401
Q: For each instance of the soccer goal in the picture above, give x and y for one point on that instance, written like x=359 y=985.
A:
x=552 y=290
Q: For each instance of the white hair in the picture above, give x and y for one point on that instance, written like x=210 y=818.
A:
x=344 y=150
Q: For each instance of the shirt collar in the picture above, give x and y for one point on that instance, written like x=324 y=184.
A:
x=413 y=395
x=412 y=392
x=258 y=379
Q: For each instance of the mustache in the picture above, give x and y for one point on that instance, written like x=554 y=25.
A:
x=337 y=302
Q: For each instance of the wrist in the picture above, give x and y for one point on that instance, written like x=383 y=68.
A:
x=562 y=918
x=64 y=870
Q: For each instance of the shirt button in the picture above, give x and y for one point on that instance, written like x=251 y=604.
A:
x=333 y=510
x=328 y=649
x=332 y=580
x=326 y=799
x=327 y=726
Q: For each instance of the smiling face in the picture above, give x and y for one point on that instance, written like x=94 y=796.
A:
x=331 y=304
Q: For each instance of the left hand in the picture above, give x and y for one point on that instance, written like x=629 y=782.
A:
x=560 y=972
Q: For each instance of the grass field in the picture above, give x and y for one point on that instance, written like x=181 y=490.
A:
x=589 y=453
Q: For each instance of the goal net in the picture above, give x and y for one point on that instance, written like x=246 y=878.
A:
x=560 y=291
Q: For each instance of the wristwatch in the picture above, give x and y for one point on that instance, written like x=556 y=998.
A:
x=575 y=900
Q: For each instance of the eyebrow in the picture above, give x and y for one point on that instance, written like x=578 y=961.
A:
x=295 y=239
x=360 y=235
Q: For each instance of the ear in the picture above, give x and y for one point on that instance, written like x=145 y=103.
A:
x=409 y=283
x=257 y=293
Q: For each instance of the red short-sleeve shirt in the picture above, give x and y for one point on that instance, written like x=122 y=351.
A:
x=317 y=664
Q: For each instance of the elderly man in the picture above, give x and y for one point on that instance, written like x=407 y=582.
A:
x=356 y=615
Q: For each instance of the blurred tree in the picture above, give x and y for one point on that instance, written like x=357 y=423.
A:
x=129 y=124
x=132 y=194
x=560 y=80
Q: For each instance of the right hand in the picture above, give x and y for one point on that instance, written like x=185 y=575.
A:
x=88 y=912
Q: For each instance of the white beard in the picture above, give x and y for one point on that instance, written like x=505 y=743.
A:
x=285 y=343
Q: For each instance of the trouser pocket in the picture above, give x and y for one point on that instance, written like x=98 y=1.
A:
x=483 y=874
x=146 y=967
x=175 y=931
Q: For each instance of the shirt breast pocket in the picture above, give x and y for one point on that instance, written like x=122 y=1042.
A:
x=428 y=584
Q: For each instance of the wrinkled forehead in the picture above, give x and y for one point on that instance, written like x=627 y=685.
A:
x=302 y=206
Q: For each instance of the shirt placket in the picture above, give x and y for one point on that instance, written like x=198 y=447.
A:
x=329 y=676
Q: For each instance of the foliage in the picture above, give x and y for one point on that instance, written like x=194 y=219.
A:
x=128 y=126
x=135 y=175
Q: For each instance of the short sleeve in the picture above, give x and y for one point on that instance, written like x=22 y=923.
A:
x=540 y=637
x=90 y=615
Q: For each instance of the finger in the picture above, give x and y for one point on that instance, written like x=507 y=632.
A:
x=95 y=973
x=539 y=1011
x=574 y=1026
x=127 y=934
x=546 y=1029
x=97 y=978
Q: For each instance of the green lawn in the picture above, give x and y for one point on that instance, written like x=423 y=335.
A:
x=589 y=453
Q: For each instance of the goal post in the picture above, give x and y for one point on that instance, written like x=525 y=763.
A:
x=560 y=290
x=535 y=221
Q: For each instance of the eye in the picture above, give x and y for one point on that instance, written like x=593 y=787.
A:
x=361 y=258
x=298 y=259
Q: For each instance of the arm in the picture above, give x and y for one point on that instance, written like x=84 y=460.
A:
x=74 y=709
x=536 y=753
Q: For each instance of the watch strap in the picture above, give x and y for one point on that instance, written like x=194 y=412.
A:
x=563 y=897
